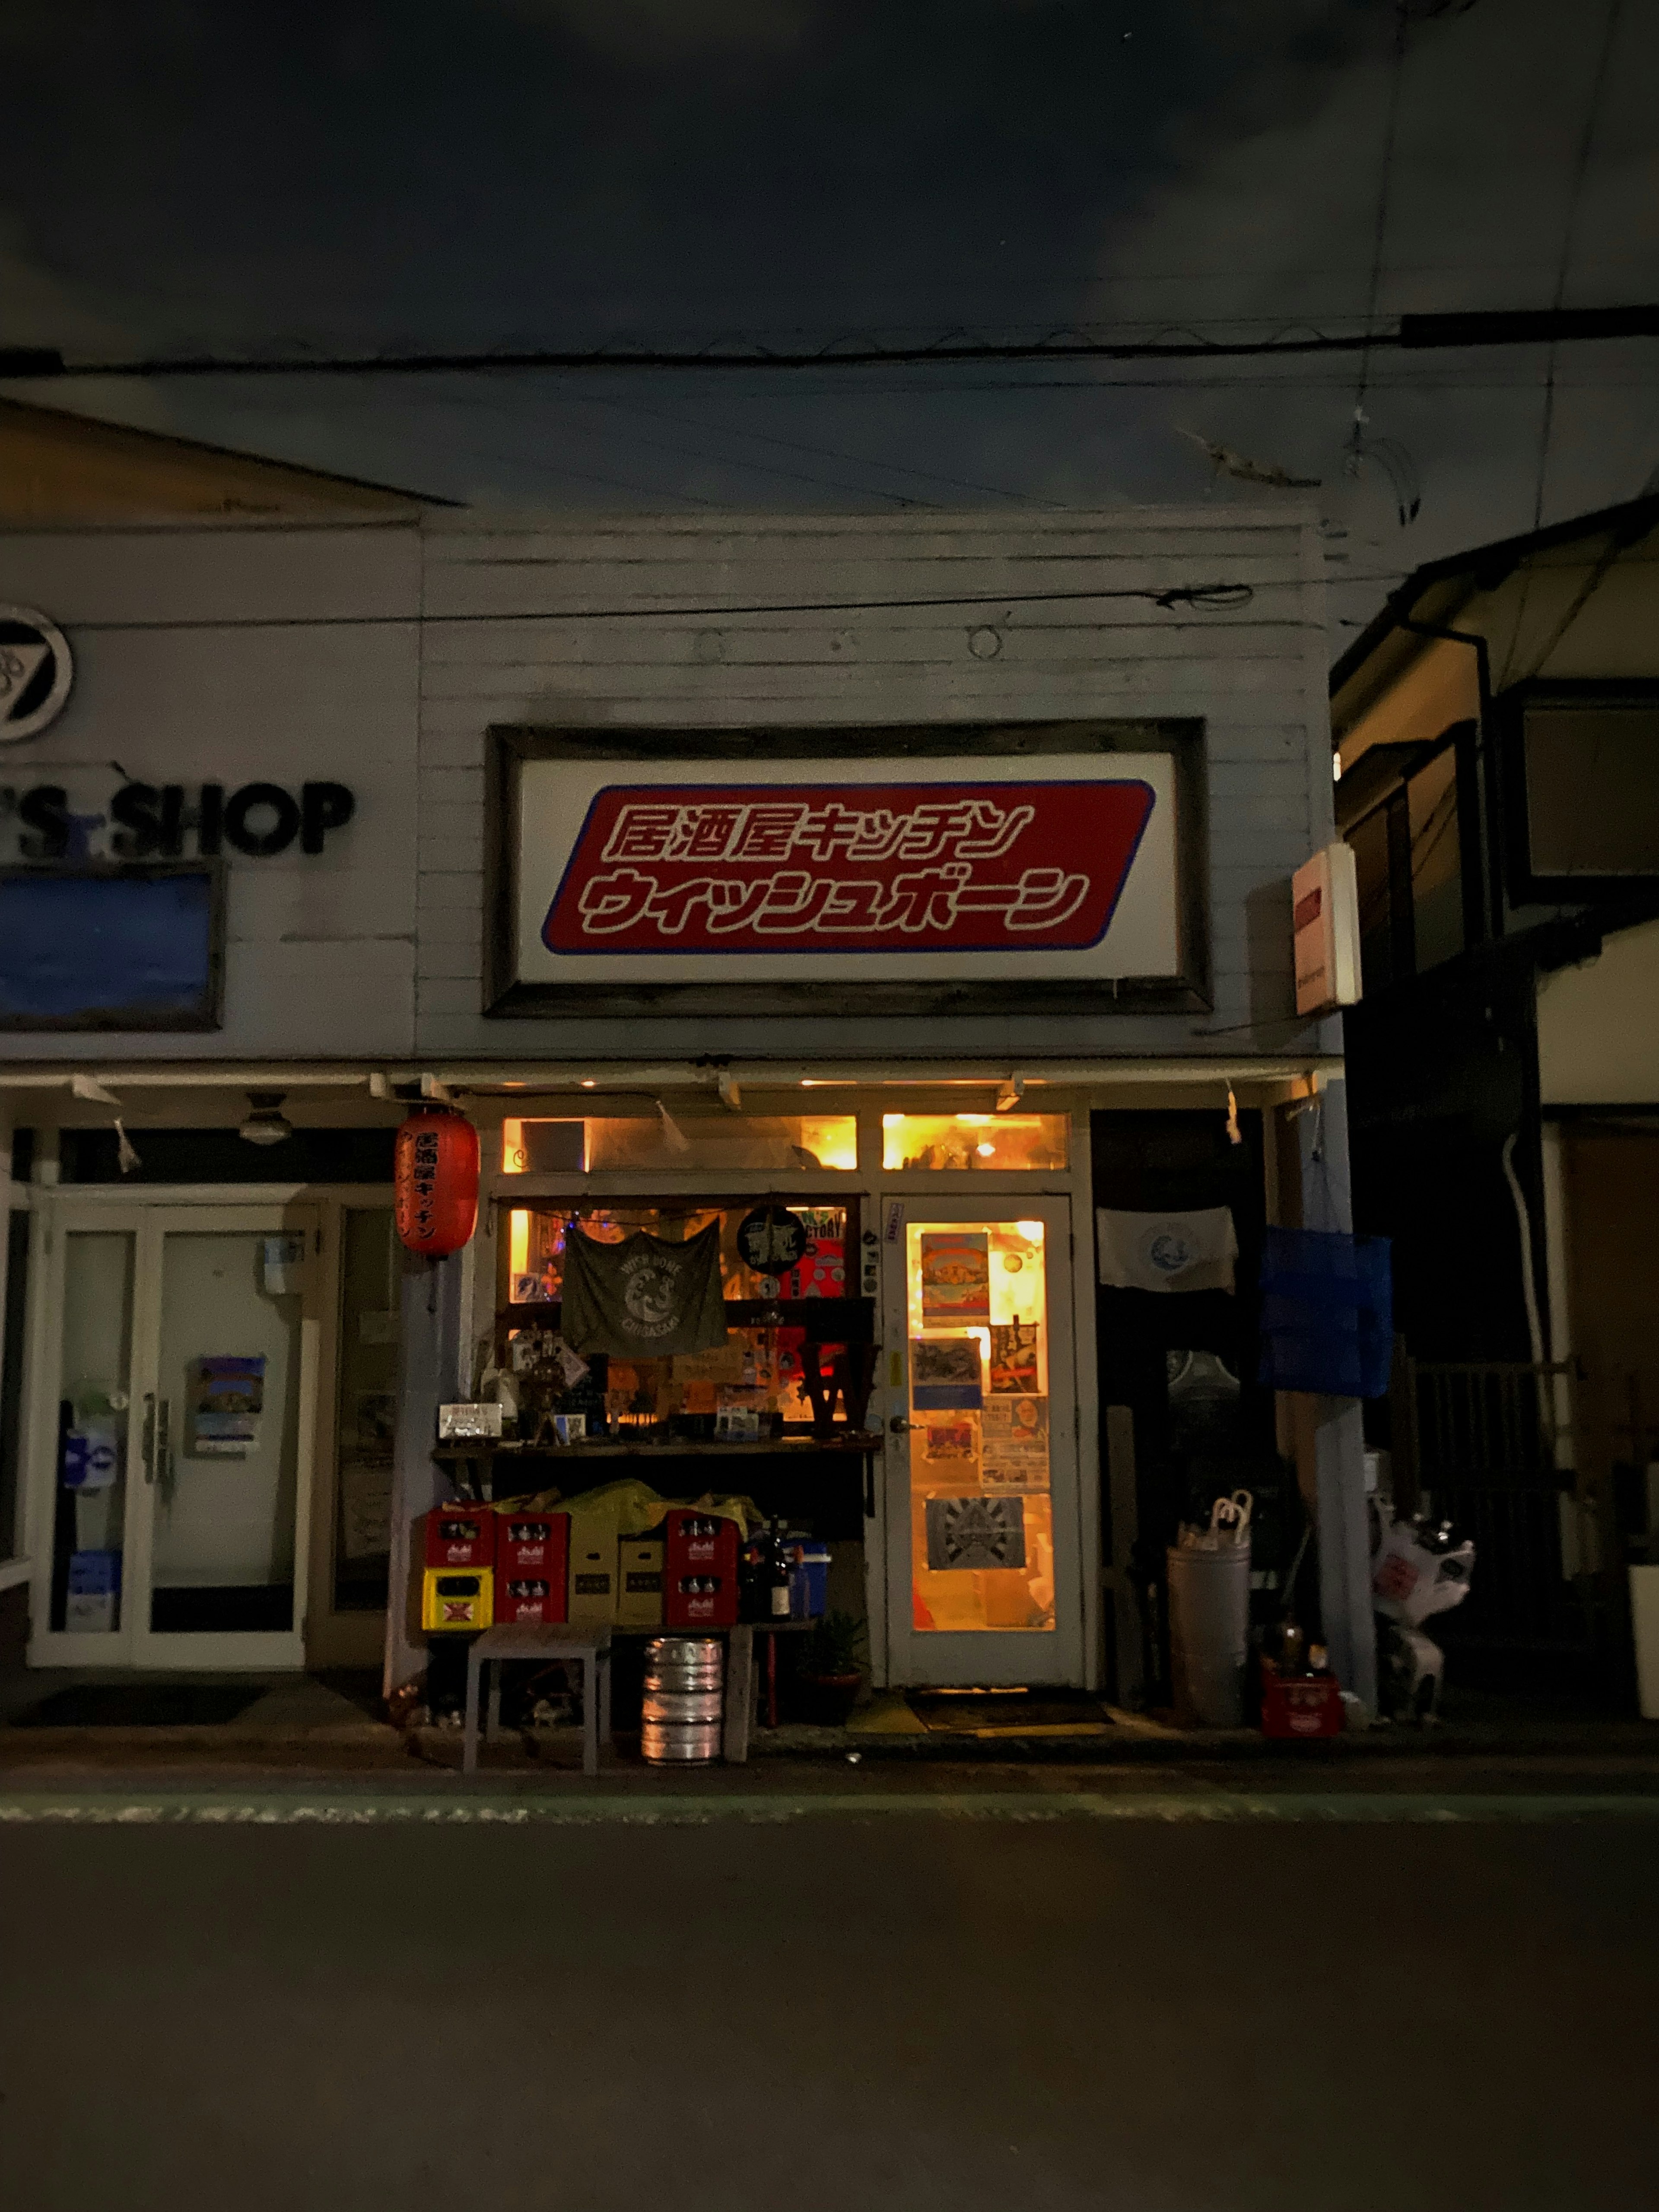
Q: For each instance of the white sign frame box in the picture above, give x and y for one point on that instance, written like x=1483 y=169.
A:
x=1325 y=915
x=938 y=868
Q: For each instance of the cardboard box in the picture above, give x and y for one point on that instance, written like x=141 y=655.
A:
x=460 y=1536
x=535 y=1598
x=456 y=1602
x=639 y=1582
x=592 y=1577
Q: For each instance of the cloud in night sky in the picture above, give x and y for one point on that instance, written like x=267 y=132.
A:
x=367 y=174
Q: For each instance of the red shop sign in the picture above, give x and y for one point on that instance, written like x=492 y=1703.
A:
x=864 y=868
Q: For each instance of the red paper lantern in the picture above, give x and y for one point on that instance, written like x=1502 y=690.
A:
x=435 y=1172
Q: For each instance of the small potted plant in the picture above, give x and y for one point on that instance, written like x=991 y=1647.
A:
x=831 y=1671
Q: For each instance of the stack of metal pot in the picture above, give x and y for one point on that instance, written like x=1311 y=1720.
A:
x=681 y=1717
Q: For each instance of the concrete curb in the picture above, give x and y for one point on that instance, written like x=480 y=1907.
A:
x=322 y=1808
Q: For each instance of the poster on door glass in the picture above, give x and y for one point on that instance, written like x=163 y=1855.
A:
x=1015 y=1444
x=968 y=1535
x=227 y=1401
x=956 y=1276
x=944 y=1374
x=950 y=1443
x=1014 y=1358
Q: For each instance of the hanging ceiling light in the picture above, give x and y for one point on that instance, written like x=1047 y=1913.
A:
x=266 y=1123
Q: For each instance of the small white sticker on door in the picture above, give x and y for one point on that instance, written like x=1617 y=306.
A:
x=895 y=1227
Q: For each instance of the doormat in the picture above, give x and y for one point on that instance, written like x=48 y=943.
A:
x=143 y=1705
x=1008 y=1713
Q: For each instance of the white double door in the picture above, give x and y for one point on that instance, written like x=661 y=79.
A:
x=981 y=1520
x=170 y=1435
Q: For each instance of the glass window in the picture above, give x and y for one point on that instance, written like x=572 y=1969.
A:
x=535 y=1248
x=771 y=1376
x=93 y=1409
x=1437 y=861
x=366 y=1414
x=982 y=1514
x=1593 y=790
x=691 y=1144
x=959 y=1141
x=16 y=1263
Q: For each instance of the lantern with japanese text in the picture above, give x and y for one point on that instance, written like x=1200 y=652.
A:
x=435 y=1172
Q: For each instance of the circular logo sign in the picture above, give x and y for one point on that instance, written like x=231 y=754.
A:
x=36 y=671
x=770 y=1240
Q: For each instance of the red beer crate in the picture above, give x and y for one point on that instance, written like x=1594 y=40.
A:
x=460 y=1536
x=534 y=1541
x=528 y=1597
x=1299 y=1706
x=699 y=1600
x=699 y=1543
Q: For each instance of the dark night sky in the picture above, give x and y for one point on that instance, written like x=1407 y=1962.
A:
x=370 y=173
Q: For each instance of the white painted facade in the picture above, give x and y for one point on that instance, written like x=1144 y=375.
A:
x=380 y=656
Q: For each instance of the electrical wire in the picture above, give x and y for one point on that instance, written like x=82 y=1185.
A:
x=1546 y=421
x=1219 y=598
x=1592 y=111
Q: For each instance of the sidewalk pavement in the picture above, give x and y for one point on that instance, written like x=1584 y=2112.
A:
x=301 y=1739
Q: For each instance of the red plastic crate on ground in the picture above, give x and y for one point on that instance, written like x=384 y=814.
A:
x=1300 y=1705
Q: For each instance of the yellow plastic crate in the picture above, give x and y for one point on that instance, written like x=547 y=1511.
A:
x=457 y=1599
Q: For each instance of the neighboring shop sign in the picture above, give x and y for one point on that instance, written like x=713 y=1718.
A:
x=36 y=671
x=1056 y=863
x=169 y=821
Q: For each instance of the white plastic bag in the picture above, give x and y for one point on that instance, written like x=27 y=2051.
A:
x=1409 y=1581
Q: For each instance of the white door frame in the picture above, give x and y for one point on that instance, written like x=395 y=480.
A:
x=148 y=1216
x=989 y=1656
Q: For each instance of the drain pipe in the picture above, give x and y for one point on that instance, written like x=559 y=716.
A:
x=1490 y=920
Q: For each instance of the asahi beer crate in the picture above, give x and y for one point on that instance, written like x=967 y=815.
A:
x=457 y=1602
x=460 y=1536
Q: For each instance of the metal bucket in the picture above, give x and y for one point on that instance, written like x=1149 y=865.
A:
x=668 y=1743
x=1209 y=1632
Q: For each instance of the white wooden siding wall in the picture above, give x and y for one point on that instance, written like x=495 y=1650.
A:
x=259 y=653
x=1256 y=676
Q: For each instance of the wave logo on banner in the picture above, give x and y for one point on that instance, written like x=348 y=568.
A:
x=887 y=867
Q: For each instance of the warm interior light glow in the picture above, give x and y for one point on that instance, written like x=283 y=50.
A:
x=517 y=1244
x=1030 y=1231
x=953 y=1143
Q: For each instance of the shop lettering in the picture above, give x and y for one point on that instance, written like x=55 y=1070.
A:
x=423 y=1177
x=146 y=821
x=945 y=868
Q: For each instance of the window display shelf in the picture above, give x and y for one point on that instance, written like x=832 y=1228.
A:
x=853 y=1440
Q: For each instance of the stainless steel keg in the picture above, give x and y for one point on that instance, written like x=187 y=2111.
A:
x=681 y=1714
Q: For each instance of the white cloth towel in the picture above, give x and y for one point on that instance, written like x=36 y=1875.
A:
x=1167 y=1251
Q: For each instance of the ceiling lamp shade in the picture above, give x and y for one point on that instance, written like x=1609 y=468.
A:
x=266 y=1123
x=435 y=1177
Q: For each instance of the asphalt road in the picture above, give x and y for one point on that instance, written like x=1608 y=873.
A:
x=857 y=2012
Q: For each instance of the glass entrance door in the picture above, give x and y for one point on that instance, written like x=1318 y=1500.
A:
x=984 y=1580
x=181 y=1459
